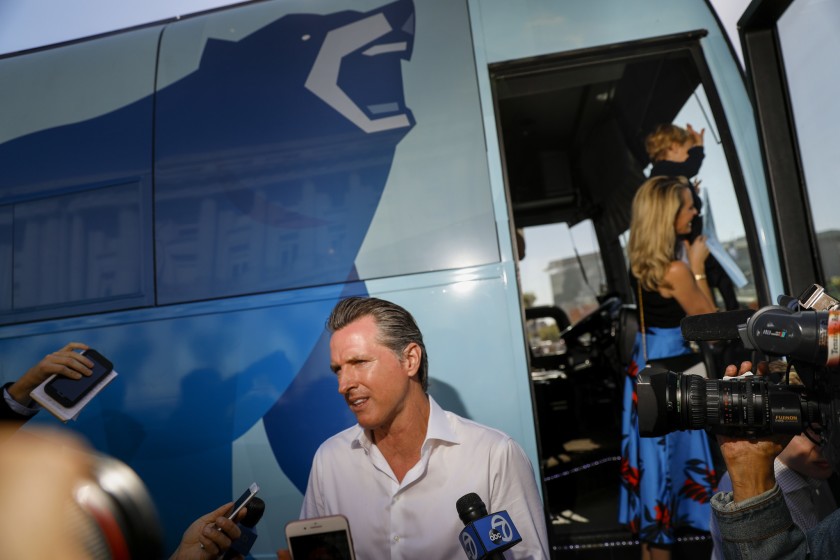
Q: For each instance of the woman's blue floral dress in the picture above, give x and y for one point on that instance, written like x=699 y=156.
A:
x=666 y=482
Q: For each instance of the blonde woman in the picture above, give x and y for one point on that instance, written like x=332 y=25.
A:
x=666 y=482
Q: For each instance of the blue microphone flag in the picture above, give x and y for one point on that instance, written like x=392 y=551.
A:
x=492 y=533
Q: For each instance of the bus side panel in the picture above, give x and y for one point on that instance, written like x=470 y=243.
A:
x=193 y=379
x=372 y=178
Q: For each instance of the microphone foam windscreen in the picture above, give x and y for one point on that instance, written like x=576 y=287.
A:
x=470 y=507
x=715 y=326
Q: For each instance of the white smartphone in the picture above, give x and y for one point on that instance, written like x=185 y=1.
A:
x=325 y=538
x=243 y=500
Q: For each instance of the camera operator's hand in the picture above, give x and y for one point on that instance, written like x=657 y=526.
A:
x=750 y=460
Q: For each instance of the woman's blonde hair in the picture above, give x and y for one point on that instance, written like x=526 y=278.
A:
x=652 y=236
x=660 y=140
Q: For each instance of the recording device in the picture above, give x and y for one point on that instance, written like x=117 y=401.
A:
x=484 y=536
x=68 y=392
x=325 y=538
x=243 y=500
x=248 y=524
x=807 y=337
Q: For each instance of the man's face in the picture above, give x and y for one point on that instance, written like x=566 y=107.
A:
x=373 y=380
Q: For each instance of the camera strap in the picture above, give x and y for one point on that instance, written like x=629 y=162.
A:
x=642 y=321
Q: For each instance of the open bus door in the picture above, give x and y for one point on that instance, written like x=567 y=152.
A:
x=572 y=126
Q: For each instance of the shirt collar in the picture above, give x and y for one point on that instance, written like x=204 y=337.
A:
x=438 y=429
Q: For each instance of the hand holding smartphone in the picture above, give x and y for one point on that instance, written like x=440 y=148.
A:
x=321 y=537
x=68 y=392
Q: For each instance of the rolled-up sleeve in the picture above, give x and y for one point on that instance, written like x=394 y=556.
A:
x=759 y=527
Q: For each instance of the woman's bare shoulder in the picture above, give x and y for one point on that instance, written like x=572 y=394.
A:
x=677 y=274
x=678 y=270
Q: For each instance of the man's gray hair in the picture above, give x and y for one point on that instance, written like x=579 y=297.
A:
x=397 y=328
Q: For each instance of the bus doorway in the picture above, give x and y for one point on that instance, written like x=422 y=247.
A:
x=572 y=128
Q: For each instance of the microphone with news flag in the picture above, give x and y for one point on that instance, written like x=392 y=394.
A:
x=485 y=536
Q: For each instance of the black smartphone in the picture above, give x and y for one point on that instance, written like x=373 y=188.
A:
x=68 y=392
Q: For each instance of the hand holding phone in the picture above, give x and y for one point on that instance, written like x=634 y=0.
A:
x=68 y=392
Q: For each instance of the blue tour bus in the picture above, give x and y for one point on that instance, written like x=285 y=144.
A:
x=191 y=198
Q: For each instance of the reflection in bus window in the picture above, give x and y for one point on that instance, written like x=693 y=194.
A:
x=562 y=268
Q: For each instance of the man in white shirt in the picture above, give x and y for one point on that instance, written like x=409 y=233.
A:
x=397 y=475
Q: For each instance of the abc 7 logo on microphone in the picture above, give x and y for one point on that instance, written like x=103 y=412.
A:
x=500 y=532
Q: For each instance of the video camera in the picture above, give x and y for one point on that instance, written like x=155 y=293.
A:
x=804 y=331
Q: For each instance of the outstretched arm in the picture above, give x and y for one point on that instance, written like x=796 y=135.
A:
x=66 y=362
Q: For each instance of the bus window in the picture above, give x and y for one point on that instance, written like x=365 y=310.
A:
x=813 y=92
x=562 y=267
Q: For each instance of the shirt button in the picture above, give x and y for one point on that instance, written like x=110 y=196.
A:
x=396 y=538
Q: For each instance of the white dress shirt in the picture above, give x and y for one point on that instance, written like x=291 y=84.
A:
x=416 y=518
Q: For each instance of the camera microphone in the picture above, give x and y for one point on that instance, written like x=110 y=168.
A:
x=485 y=536
x=242 y=545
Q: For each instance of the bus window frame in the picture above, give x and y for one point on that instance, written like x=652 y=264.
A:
x=786 y=187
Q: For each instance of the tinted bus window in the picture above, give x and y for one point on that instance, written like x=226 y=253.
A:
x=285 y=162
x=78 y=248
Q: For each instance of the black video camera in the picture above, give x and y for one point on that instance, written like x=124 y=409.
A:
x=804 y=331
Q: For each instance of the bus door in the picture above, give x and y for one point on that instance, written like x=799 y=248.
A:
x=572 y=128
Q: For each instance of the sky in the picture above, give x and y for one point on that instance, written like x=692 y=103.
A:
x=24 y=26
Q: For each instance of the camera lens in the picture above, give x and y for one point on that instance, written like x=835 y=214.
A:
x=745 y=405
